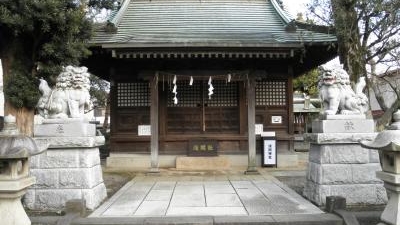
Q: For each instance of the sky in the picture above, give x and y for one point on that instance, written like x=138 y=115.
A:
x=295 y=6
x=299 y=6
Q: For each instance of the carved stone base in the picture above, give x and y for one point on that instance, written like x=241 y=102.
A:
x=343 y=126
x=65 y=174
x=391 y=213
x=340 y=166
x=72 y=129
x=12 y=212
x=69 y=169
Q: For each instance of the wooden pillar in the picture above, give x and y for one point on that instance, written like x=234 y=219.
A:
x=154 y=124
x=290 y=107
x=113 y=108
x=113 y=100
x=251 y=120
x=243 y=113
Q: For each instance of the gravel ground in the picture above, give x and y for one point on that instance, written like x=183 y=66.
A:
x=294 y=182
x=366 y=215
x=115 y=180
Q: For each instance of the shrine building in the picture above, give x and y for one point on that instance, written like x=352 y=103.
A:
x=200 y=76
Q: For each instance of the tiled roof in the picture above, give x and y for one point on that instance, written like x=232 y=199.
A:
x=203 y=23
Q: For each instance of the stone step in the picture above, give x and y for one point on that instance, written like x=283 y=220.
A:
x=313 y=219
x=203 y=163
x=123 y=161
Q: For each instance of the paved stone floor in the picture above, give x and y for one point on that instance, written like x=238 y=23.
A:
x=199 y=195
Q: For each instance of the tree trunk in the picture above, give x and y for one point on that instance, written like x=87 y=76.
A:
x=24 y=116
x=351 y=53
x=379 y=94
x=386 y=118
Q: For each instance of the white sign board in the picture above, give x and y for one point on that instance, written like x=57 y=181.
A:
x=144 y=130
x=259 y=128
x=268 y=134
x=269 y=152
x=276 y=119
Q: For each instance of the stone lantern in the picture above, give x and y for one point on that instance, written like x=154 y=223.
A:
x=388 y=143
x=15 y=149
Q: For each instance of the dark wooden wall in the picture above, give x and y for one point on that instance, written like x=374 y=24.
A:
x=179 y=125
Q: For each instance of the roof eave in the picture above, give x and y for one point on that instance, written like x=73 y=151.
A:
x=198 y=45
x=316 y=28
x=117 y=18
x=280 y=12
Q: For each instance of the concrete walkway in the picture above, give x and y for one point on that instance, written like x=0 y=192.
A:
x=197 y=195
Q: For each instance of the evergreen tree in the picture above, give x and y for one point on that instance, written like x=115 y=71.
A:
x=37 y=38
x=307 y=83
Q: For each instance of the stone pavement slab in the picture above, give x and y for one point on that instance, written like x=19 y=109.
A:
x=164 y=185
x=205 y=211
x=155 y=208
x=227 y=200
x=219 y=189
x=198 y=195
x=159 y=195
x=188 y=200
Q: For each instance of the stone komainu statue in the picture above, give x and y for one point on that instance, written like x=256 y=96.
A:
x=69 y=98
x=337 y=95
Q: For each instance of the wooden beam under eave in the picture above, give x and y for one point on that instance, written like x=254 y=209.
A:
x=283 y=54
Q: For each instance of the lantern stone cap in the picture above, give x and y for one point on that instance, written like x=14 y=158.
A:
x=14 y=145
x=16 y=185
x=10 y=126
x=387 y=140
x=9 y=119
x=21 y=147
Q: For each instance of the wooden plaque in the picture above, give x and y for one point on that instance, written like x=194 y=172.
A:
x=203 y=147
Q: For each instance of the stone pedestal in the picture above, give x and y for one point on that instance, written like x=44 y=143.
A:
x=15 y=150
x=338 y=165
x=391 y=214
x=13 y=184
x=70 y=169
x=388 y=144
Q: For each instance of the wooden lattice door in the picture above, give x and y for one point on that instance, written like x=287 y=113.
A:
x=196 y=113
